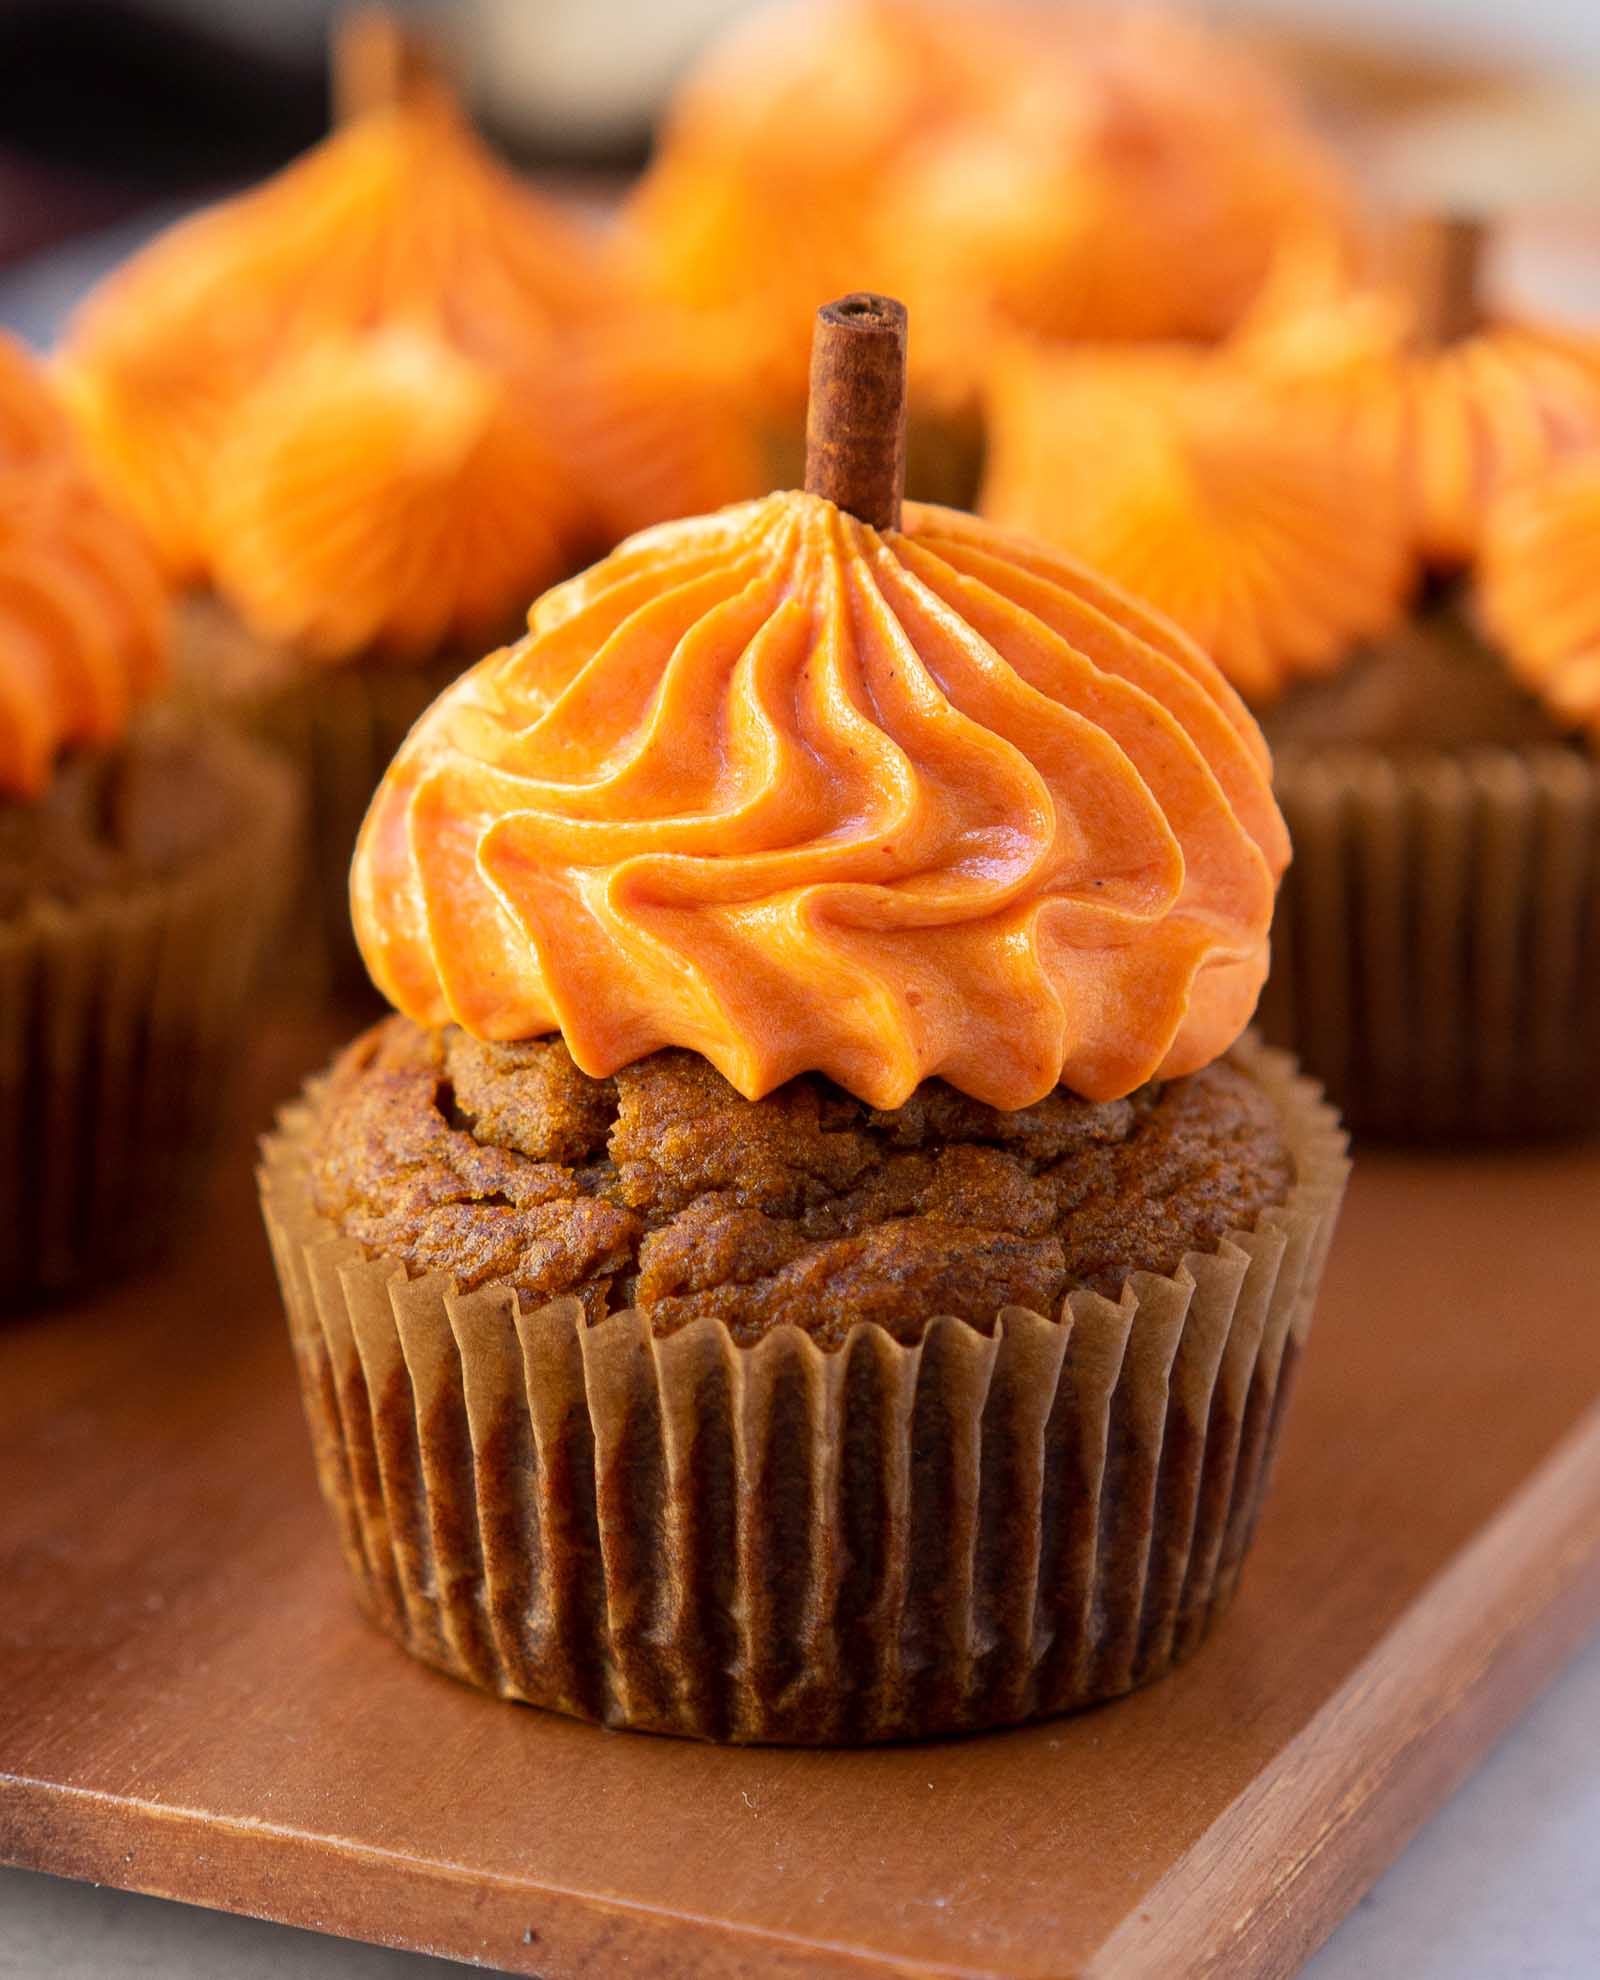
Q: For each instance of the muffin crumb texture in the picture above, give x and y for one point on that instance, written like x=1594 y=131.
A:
x=663 y=1188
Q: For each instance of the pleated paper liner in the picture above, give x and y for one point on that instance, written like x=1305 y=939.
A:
x=339 y=727
x=779 y=1543
x=120 y=1020
x=340 y=731
x=1436 y=951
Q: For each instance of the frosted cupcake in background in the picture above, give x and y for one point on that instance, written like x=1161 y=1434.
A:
x=816 y=1259
x=366 y=411
x=1301 y=501
x=139 y=860
x=1069 y=172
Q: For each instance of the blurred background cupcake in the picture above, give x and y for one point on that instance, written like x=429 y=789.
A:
x=1307 y=500
x=1069 y=171
x=367 y=411
x=139 y=854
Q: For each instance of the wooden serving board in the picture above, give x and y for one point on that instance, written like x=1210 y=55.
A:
x=190 y=1704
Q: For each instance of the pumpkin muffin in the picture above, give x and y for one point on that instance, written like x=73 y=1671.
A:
x=814 y=1258
x=662 y=1189
x=137 y=859
x=366 y=410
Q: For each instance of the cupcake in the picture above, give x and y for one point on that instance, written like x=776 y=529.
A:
x=137 y=861
x=814 y=1257
x=358 y=410
x=1299 y=500
x=1071 y=173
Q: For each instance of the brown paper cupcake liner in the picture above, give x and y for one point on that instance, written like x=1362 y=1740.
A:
x=338 y=727
x=1437 y=942
x=119 y=1026
x=340 y=730
x=785 y=1544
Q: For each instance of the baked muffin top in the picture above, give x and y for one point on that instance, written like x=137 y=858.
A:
x=662 y=1188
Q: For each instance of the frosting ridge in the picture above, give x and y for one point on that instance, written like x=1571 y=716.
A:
x=1090 y=171
x=399 y=218
x=1536 y=588
x=1482 y=414
x=83 y=612
x=1245 y=499
x=800 y=796
x=385 y=494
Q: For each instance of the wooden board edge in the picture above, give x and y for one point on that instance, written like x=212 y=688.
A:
x=343 y=1889
x=1469 y=1655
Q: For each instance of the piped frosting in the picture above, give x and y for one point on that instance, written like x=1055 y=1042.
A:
x=1082 y=171
x=1483 y=414
x=1462 y=419
x=797 y=795
x=400 y=217
x=1537 y=590
x=1245 y=498
x=83 y=612
x=384 y=494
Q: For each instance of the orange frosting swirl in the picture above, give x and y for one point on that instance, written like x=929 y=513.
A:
x=796 y=795
x=1069 y=172
x=384 y=494
x=83 y=614
x=1461 y=421
x=1537 y=590
x=34 y=431
x=1140 y=183
x=1241 y=497
x=1485 y=413
x=402 y=217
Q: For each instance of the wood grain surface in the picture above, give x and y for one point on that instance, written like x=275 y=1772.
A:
x=190 y=1705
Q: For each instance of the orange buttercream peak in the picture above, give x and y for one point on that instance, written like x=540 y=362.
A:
x=400 y=218
x=1463 y=404
x=83 y=613
x=797 y=794
x=1071 y=171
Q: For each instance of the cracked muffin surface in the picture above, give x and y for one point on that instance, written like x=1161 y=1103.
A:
x=662 y=1187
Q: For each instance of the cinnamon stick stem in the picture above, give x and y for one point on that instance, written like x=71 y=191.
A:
x=856 y=416
x=379 y=60
x=1446 y=258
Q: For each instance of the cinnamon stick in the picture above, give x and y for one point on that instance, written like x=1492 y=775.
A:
x=856 y=417
x=380 y=60
x=1445 y=254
